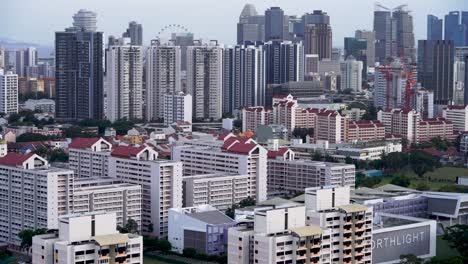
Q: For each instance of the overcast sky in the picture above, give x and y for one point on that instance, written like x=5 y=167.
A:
x=37 y=20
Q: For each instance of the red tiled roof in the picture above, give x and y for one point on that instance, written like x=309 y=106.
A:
x=127 y=151
x=223 y=136
x=275 y=153
x=242 y=148
x=456 y=107
x=15 y=159
x=83 y=143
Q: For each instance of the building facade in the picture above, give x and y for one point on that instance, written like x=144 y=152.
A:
x=8 y=92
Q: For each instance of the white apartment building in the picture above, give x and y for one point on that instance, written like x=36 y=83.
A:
x=351 y=74
x=160 y=181
x=124 y=73
x=292 y=176
x=458 y=115
x=87 y=238
x=220 y=190
x=394 y=78
x=163 y=66
x=278 y=235
x=108 y=195
x=205 y=80
x=33 y=195
x=89 y=157
x=232 y=155
x=349 y=225
x=177 y=108
x=8 y=92
x=252 y=117
x=423 y=102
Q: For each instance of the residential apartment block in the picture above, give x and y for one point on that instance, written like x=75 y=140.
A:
x=458 y=115
x=89 y=157
x=87 y=238
x=33 y=195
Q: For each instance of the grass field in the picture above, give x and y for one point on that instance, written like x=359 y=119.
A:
x=159 y=260
x=440 y=177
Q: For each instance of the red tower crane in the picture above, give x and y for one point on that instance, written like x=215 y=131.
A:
x=409 y=83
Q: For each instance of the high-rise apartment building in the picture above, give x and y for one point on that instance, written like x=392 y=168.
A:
x=87 y=238
x=434 y=28
x=34 y=195
x=330 y=125
x=79 y=54
x=8 y=92
x=284 y=62
x=89 y=157
x=351 y=74
x=458 y=115
x=251 y=26
x=177 y=108
x=369 y=36
x=230 y=155
x=435 y=68
x=454 y=30
x=400 y=122
x=160 y=181
x=163 y=66
x=243 y=77
x=274 y=24
x=25 y=59
x=124 y=75
x=205 y=80
x=135 y=33
x=318 y=35
x=390 y=84
x=2 y=57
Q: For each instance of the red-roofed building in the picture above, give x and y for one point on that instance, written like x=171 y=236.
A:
x=365 y=130
x=34 y=195
x=400 y=122
x=88 y=157
x=281 y=154
x=331 y=126
x=432 y=128
x=135 y=152
x=458 y=115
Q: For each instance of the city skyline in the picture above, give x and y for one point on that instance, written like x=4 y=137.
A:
x=112 y=21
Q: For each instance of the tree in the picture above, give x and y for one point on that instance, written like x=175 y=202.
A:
x=410 y=259
x=29 y=137
x=457 y=237
x=189 y=252
x=249 y=201
x=439 y=144
x=401 y=180
x=450 y=260
x=165 y=246
x=371 y=113
x=237 y=124
x=316 y=156
x=231 y=211
x=302 y=133
x=131 y=226
x=348 y=160
x=394 y=161
x=26 y=236
x=58 y=155
x=122 y=126
x=422 y=162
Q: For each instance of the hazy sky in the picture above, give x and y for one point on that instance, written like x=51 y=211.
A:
x=37 y=20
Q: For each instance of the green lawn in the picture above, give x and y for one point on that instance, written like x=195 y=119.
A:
x=443 y=249
x=438 y=178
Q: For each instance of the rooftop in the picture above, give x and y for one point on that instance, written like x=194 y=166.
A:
x=353 y=208
x=214 y=217
x=307 y=231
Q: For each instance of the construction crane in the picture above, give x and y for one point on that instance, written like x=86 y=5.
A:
x=379 y=6
x=408 y=91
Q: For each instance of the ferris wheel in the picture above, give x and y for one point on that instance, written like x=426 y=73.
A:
x=165 y=33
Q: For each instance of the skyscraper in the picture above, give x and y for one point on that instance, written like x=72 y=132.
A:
x=435 y=68
x=79 y=70
x=205 y=79
x=8 y=92
x=357 y=48
x=124 y=81
x=135 y=33
x=163 y=63
x=251 y=26
x=404 y=34
x=85 y=20
x=466 y=80
x=351 y=74
x=454 y=30
x=370 y=37
x=318 y=34
x=385 y=34
x=25 y=58
x=274 y=24
x=434 y=28
x=243 y=77
x=464 y=21
x=284 y=62
x=183 y=40
x=2 y=58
